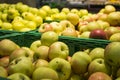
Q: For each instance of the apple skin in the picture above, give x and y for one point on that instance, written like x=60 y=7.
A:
x=69 y=32
x=79 y=62
x=97 y=52
x=45 y=27
x=7 y=47
x=44 y=73
x=98 y=65
x=41 y=63
x=4 y=61
x=99 y=76
x=58 y=49
x=98 y=34
x=73 y=18
x=21 y=65
x=3 y=72
x=111 y=54
x=41 y=53
x=18 y=76
x=48 y=38
x=62 y=67
x=35 y=44
x=115 y=37
x=20 y=52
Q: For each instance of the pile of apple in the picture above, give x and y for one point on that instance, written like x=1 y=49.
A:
x=49 y=59
x=19 y=17
x=83 y=24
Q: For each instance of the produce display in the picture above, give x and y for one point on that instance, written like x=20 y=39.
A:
x=49 y=59
x=81 y=23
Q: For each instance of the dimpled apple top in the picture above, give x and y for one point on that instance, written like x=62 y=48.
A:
x=112 y=54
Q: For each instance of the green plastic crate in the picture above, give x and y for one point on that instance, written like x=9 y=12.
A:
x=74 y=44
x=18 y=38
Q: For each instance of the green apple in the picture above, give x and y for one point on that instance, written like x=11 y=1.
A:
x=18 y=25
x=35 y=44
x=6 y=26
x=99 y=76
x=7 y=46
x=111 y=54
x=38 y=20
x=73 y=18
x=97 y=52
x=114 y=18
x=33 y=10
x=58 y=49
x=65 y=10
x=28 y=15
x=44 y=73
x=85 y=34
x=54 y=11
x=79 y=62
x=18 y=76
x=103 y=24
x=12 y=13
x=4 y=61
x=62 y=67
x=46 y=8
x=49 y=37
x=98 y=65
x=111 y=30
x=21 y=65
x=115 y=37
x=42 y=13
x=31 y=25
x=84 y=12
x=22 y=7
x=4 y=17
x=69 y=32
x=3 y=72
x=93 y=25
x=65 y=24
x=109 y=9
x=57 y=27
x=41 y=53
x=41 y=63
x=74 y=10
x=45 y=27
x=20 y=52
x=83 y=28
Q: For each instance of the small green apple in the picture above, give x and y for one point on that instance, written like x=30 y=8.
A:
x=97 y=52
x=18 y=76
x=58 y=49
x=35 y=44
x=73 y=18
x=45 y=27
x=98 y=65
x=20 y=52
x=7 y=46
x=62 y=67
x=79 y=62
x=41 y=53
x=44 y=73
x=49 y=37
x=115 y=37
x=6 y=26
x=21 y=65
x=41 y=63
